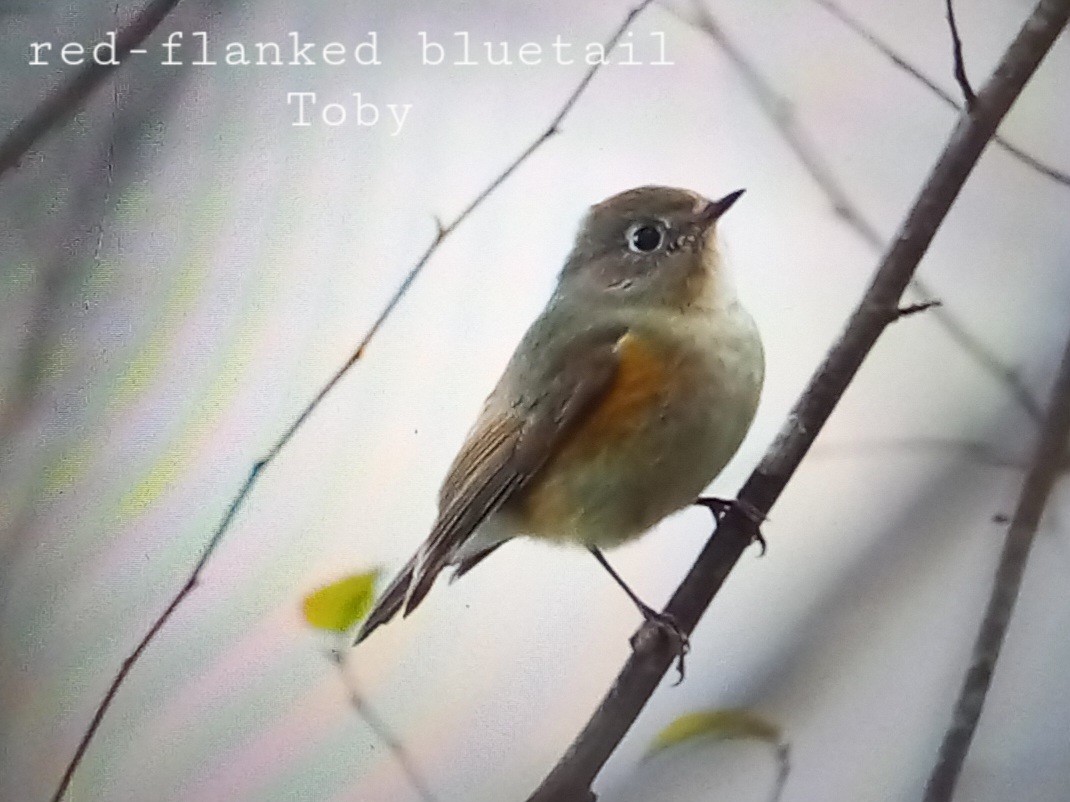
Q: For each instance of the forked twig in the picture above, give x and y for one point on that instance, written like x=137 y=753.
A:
x=854 y=25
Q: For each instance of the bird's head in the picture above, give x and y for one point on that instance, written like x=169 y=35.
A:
x=649 y=246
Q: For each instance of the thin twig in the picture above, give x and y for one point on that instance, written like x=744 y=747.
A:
x=960 y=62
x=236 y=503
x=1051 y=452
x=778 y=109
x=109 y=161
x=918 y=308
x=856 y=27
x=382 y=730
x=572 y=777
x=783 y=769
x=66 y=99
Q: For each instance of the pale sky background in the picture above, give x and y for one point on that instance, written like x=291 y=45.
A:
x=209 y=282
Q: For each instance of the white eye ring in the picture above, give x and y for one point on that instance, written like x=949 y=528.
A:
x=645 y=237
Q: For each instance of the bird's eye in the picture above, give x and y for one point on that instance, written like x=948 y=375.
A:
x=644 y=238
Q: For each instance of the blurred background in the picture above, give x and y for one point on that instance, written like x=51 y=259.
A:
x=181 y=268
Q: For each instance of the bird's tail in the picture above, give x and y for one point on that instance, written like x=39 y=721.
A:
x=391 y=602
x=412 y=584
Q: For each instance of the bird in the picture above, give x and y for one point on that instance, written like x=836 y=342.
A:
x=624 y=400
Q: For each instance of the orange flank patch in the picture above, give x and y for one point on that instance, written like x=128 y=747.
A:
x=634 y=396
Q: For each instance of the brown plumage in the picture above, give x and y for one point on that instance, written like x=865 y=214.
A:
x=622 y=402
x=501 y=455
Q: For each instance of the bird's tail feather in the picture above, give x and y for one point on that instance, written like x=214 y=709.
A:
x=412 y=584
x=390 y=602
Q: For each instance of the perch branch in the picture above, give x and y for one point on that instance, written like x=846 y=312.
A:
x=236 y=503
x=571 y=779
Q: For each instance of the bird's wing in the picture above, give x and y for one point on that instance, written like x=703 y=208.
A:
x=501 y=455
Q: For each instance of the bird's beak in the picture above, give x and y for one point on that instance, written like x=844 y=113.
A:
x=714 y=209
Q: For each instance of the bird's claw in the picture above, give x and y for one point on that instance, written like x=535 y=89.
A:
x=664 y=625
x=755 y=517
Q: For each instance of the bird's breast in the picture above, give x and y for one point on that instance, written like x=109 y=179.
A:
x=682 y=399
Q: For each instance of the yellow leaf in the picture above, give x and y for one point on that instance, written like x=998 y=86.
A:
x=721 y=725
x=339 y=605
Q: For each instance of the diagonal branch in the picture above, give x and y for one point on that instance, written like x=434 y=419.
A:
x=66 y=99
x=777 y=109
x=340 y=657
x=1051 y=452
x=960 y=62
x=571 y=779
x=856 y=27
x=250 y=481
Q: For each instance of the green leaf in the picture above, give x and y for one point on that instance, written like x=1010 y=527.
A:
x=340 y=605
x=721 y=725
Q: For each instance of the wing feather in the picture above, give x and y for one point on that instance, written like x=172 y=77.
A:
x=500 y=456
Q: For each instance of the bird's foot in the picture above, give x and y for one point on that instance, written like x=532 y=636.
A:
x=663 y=625
x=720 y=507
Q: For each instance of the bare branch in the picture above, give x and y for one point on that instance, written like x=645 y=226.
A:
x=1051 y=453
x=250 y=481
x=66 y=99
x=572 y=777
x=853 y=24
x=778 y=109
x=960 y=63
x=381 y=729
